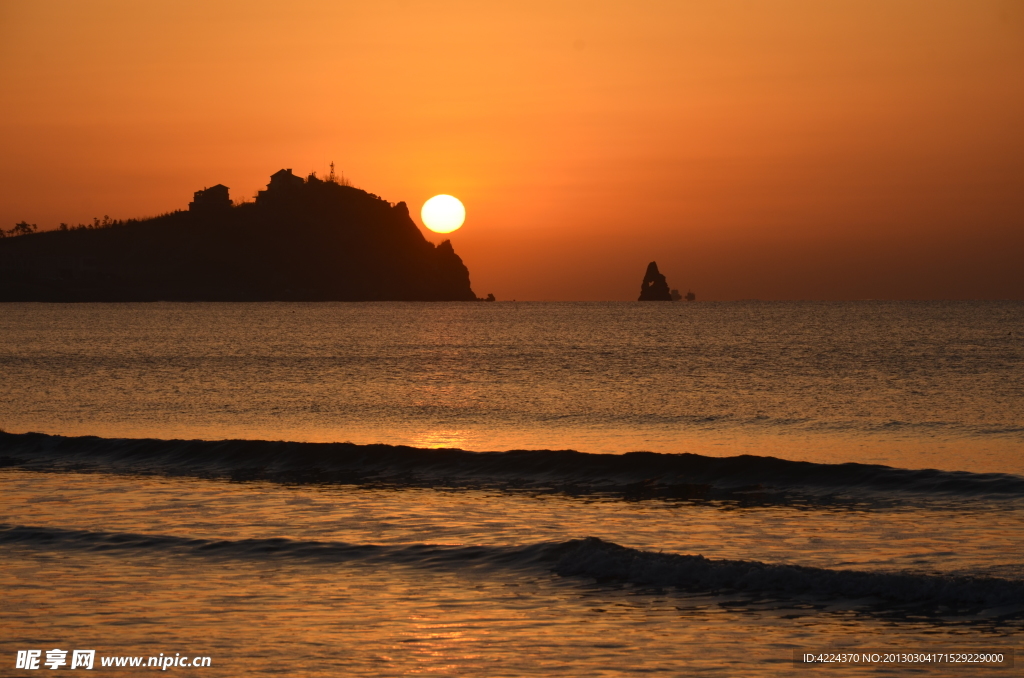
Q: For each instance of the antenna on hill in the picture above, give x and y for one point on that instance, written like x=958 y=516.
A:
x=333 y=177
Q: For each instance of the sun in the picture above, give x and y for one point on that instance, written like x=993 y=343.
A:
x=443 y=213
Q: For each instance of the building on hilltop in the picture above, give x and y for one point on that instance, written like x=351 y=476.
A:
x=212 y=199
x=282 y=183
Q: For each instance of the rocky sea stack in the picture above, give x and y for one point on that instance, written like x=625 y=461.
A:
x=654 y=287
x=301 y=240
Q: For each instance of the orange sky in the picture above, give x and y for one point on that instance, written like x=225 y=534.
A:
x=772 y=149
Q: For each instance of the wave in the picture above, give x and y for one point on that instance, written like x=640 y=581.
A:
x=810 y=425
x=592 y=558
x=634 y=475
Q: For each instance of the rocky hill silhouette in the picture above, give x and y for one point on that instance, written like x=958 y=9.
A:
x=301 y=240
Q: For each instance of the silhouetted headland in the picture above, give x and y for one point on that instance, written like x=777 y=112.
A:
x=301 y=240
x=654 y=287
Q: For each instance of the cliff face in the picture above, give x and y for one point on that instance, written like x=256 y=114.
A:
x=301 y=240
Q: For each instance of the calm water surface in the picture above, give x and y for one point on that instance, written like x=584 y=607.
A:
x=915 y=385
x=324 y=579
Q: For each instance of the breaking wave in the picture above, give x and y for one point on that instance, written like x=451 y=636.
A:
x=635 y=475
x=590 y=558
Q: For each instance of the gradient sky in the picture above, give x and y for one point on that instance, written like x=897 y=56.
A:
x=770 y=149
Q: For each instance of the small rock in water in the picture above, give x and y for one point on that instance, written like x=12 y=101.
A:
x=654 y=286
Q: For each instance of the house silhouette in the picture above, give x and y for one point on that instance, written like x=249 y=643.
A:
x=212 y=199
x=283 y=184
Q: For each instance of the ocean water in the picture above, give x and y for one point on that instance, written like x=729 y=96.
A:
x=512 y=489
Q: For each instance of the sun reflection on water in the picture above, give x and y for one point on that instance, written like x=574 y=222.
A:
x=443 y=438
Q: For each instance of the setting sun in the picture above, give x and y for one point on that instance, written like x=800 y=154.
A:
x=443 y=214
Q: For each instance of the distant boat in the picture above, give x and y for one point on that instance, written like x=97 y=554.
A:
x=690 y=296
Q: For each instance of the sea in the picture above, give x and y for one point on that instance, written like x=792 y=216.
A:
x=513 y=489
